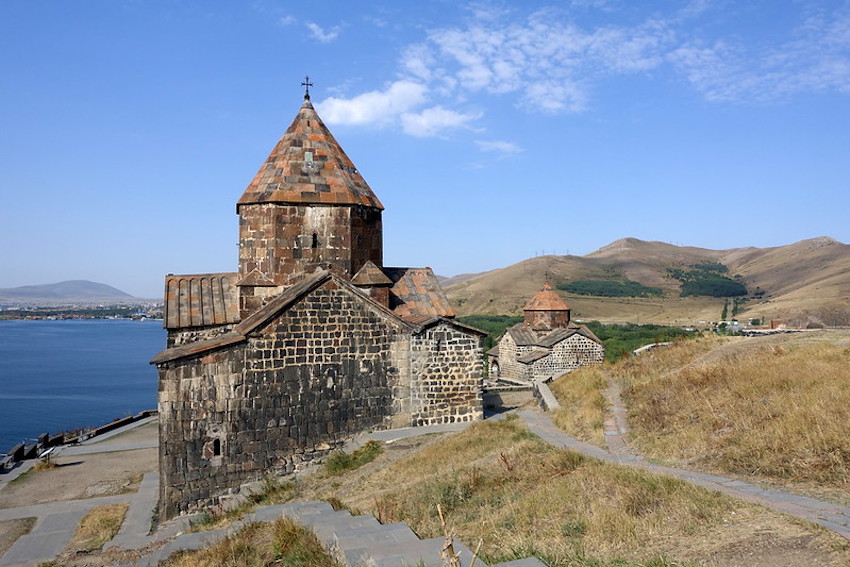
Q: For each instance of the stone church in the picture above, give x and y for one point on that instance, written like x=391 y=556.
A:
x=546 y=344
x=311 y=341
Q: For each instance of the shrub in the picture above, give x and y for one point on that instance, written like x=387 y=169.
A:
x=610 y=288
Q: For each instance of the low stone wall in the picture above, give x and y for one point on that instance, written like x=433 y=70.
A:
x=545 y=398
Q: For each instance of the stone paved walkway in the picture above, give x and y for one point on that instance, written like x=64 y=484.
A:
x=56 y=522
x=831 y=516
x=616 y=420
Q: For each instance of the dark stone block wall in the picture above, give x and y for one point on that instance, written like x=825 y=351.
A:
x=321 y=372
x=446 y=377
x=288 y=242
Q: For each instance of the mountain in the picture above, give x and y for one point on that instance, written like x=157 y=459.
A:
x=808 y=281
x=64 y=292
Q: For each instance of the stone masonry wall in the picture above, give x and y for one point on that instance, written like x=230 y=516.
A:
x=508 y=354
x=288 y=242
x=179 y=337
x=446 y=377
x=576 y=351
x=320 y=373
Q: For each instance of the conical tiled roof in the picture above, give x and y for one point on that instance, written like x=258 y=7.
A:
x=546 y=300
x=308 y=166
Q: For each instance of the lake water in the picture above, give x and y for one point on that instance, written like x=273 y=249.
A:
x=62 y=375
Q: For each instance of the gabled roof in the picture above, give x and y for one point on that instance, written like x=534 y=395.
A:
x=308 y=166
x=546 y=300
x=416 y=291
x=282 y=302
x=370 y=275
x=525 y=336
x=269 y=311
x=256 y=279
x=201 y=300
x=556 y=336
x=522 y=336
x=532 y=356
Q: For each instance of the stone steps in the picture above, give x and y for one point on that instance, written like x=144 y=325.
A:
x=356 y=541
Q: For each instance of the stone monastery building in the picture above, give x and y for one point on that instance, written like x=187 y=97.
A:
x=546 y=344
x=311 y=341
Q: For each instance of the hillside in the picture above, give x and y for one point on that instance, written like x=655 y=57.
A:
x=63 y=292
x=808 y=281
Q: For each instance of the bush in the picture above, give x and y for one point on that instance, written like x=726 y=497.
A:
x=707 y=279
x=621 y=340
x=609 y=288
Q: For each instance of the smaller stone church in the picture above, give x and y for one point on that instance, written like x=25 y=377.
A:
x=546 y=344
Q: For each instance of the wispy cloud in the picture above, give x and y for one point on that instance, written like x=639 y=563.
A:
x=285 y=21
x=498 y=146
x=547 y=61
x=815 y=59
x=321 y=34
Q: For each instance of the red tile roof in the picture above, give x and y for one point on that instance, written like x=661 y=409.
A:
x=308 y=166
x=546 y=300
x=416 y=291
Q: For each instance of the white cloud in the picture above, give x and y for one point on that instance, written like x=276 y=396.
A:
x=286 y=21
x=817 y=59
x=374 y=107
x=324 y=36
x=498 y=146
x=434 y=121
x=546 y=59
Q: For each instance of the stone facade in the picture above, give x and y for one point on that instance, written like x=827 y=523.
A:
x=311 y=342
x=442 y=388
x=289 y=242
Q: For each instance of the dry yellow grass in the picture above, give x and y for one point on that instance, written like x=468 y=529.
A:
x=282 y=542
x=583 y=405
x=498 y=482
x=97 y=527
x=779 y=411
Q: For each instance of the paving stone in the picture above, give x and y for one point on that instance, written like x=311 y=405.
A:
x=375 y=535
x=426 y=551
x=48 y=539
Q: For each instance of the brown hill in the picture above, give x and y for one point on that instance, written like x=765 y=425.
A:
x=805 y=282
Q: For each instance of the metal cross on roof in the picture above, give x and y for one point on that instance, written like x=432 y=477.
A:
x=307 y=84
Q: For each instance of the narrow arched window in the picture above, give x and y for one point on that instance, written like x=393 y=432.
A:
x=315 y=240
x=217 y=448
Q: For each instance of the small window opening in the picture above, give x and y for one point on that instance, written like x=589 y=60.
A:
x=217 y=448
x=315 y=240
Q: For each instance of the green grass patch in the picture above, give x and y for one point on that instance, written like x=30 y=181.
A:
x=340 y=462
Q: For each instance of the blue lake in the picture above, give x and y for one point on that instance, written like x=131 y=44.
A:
x=62 y=375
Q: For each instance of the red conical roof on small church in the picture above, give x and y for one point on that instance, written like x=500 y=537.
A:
x=308 y=166
x=546 y=300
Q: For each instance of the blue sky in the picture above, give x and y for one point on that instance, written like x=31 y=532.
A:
x=491 y=131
